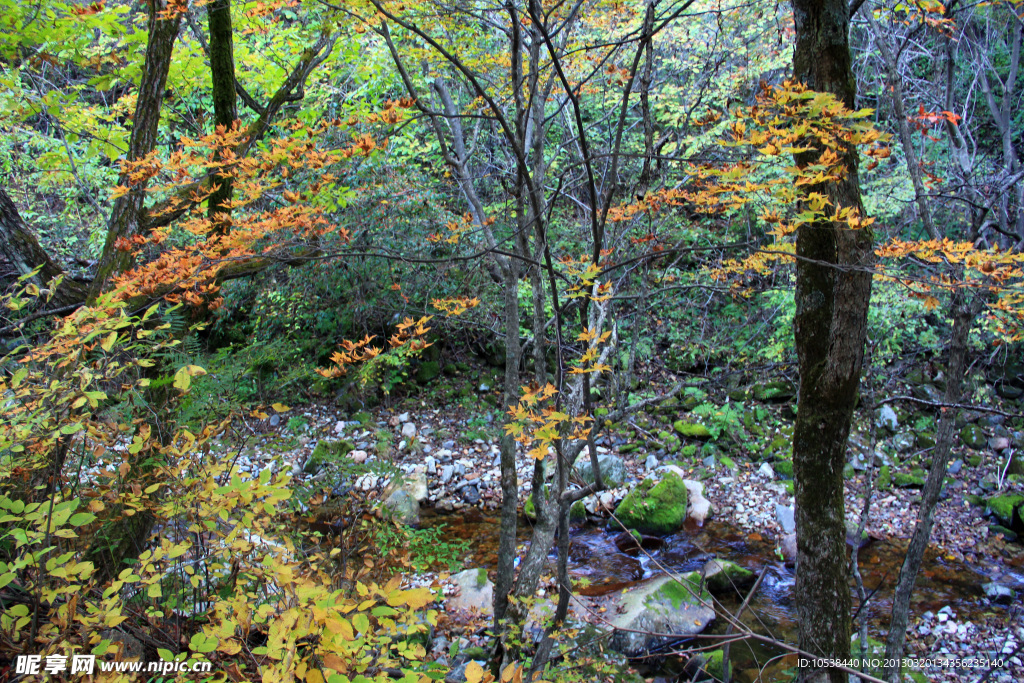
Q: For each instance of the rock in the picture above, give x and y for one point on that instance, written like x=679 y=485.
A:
x=691 y=430
x=631 y=542
x=458 y=674
x=427 y=371
x=408 y=430
x=778 y=391
x=698 y=507
x=403 y=418
x=907 y=480
x=786 y=518
x=471 y=494
x=1009 y=391
x=358 y=457
x=998 y=593
x=973 y=436
x=661 y=605
x=1006 y=533
x=339 y=427
x=705 y=666
x=788 y=547
x=431 y=464
x=275 y=420
x=886 y=418
x=404 y=507
x=326 y=451
x=476 y=592
x=1003 y=508
x=613 y=469
x=955 y=466
x=655 y=508
x=651 y=462
x=999 y=443
x=447 y=472
x=884 y=481
x=766 y=471
x=722 y=576
x=416 y=485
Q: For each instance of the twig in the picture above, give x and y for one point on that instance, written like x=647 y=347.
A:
x=726 y=670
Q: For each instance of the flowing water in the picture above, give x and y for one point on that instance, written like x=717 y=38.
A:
x=595 y=556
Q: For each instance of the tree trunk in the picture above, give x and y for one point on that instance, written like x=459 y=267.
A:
x=20 y=248
x=126 y=215
x=833 y=288
x=225 y=110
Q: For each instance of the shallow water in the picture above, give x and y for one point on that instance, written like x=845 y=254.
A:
x=594 y=556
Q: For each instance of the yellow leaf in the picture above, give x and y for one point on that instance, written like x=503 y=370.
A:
x=108 y=343
x=474 y=672
x=280 y=407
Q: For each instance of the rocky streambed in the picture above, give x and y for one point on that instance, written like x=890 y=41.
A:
x=448 y=465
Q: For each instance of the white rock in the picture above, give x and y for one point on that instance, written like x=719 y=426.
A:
x=358 y=457
x=408 y=430
x=416 y=486
x=403 y=418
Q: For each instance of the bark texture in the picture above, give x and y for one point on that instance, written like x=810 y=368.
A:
x=20 y=249
x=225 y=109
x=127 y=213
x=833 y=289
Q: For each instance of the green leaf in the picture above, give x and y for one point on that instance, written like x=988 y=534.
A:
x=81 y=519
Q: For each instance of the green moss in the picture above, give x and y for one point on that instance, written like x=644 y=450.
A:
x=1003 y=506
x=327 y=451
x=578 y=512
x=683 y=591
x=789 y=486
x=913 y=479
x=691 y=429
x=784 y=468
x=884 y=482
x=427 y=371
x=713 y=662
x=654 y=508
x=481 y=577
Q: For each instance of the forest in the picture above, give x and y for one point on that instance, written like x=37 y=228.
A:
x=537 y=340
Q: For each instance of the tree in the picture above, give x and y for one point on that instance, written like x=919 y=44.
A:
x=833 y=290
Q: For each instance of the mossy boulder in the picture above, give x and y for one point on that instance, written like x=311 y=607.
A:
x=779 y=391
x=660 y=606
x=325 y=452
x=884 y=482
x=364 y=418
x=428 y=371
x=578 y=512
x=724 y=576
x=914 y=479
x=655 y=508
x=404 y=507
x=784 y=468
x=1003 y=508
x=973 y=436
x=691 y=430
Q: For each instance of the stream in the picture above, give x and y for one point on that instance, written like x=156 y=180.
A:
x=594 y=556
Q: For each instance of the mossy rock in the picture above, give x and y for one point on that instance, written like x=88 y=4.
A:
x=789 y=486
x=1003 y=506
x=691 y=430
x=974 y=460
x=848 y=471
x=774 y=391
x=428 y=371
x=913 y=479
x=363 y=417
x=657 y=509
x=973 y=436
x=728 y=463
x=784 y=468
x=713 y=665
x=977 y=501
x=1008 y=534
x=578 y=512
x=884 y=481
x=670 y=441
x=325 y=452
x=723 y=576
x=629 y=447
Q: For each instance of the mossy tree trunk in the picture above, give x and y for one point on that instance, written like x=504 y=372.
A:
x=833 y=288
